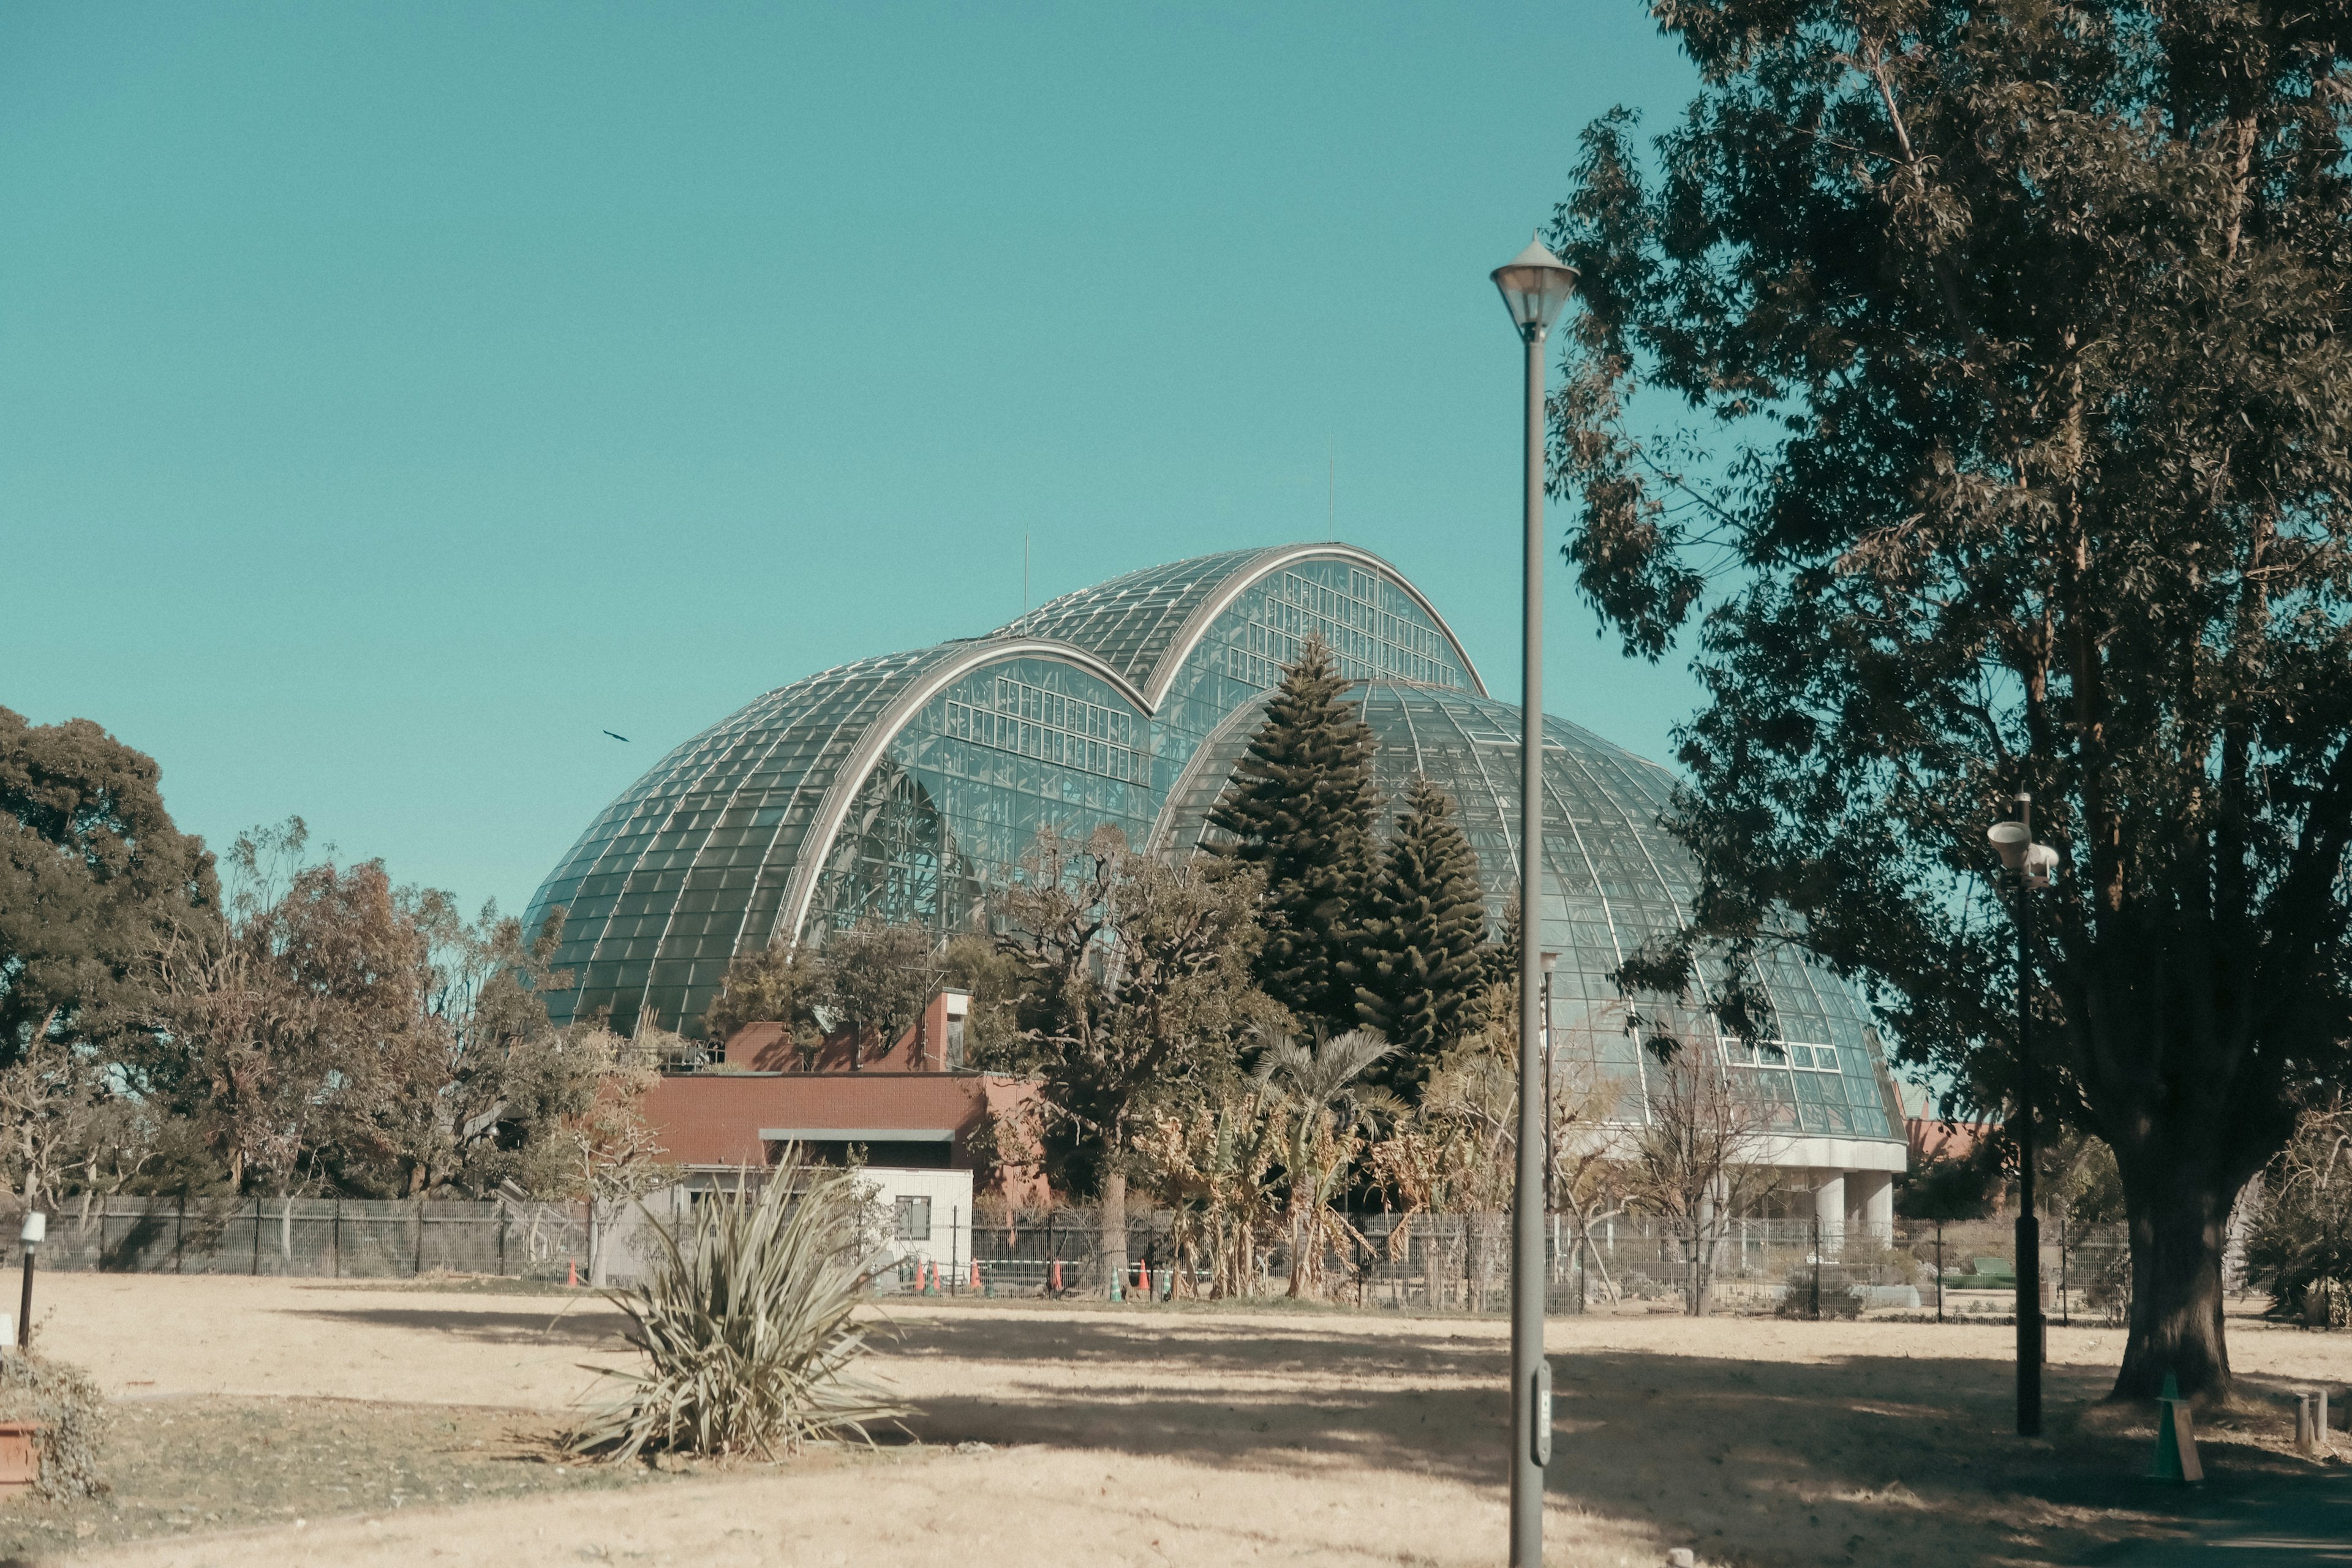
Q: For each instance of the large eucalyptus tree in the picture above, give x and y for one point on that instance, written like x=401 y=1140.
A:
x=1974 y=377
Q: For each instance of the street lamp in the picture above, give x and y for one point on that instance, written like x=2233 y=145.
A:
x=2025 y=866
x=1551 y=961
x=36 y=1227
x=1535 y=284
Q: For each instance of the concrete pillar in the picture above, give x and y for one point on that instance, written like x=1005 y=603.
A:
x=1829 y=1209
x=1870 y=1199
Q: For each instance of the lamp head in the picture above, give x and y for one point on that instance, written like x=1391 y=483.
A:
x=1535 y=284
x=1549 y=961
x=2040 y=865
x=37 y=1228
x=2009 y=840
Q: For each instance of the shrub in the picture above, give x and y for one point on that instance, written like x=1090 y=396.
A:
x=2299 y=1245
x=1838 y=1298
x=748 y=1329
x=73 y=1416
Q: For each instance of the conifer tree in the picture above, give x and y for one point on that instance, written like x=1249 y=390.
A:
x=1421 y=967
x=1302 y=809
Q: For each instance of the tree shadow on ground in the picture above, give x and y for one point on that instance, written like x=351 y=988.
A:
x=1883 y=1459
x=582 y=1326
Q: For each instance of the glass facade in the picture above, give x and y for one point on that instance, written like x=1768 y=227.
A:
x=1613 y=878
x=906 y=787
x=903 y=787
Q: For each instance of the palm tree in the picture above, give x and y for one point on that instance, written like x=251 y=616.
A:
x=1330 y=1112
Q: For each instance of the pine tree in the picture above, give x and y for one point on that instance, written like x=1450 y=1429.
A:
x=1420 y=970
x=1302 y=809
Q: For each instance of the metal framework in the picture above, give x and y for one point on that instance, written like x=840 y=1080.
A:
x=904 y=785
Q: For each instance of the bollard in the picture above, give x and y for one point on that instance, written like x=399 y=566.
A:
x=2307 y=1439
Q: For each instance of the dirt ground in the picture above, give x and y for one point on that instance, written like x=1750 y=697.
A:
x=265 y=1423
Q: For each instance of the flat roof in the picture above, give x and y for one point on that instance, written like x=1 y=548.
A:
x=858 y=1135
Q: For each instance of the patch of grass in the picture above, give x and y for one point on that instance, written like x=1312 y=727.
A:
x=189 y=1466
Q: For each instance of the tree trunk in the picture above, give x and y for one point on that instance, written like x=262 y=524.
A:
x=2179 y=1214
x=1111 y=1245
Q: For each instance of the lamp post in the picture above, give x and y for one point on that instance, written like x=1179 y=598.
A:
x=1535 y=284
x=2026 y=866
x=36 y=1227
x=1550 y=961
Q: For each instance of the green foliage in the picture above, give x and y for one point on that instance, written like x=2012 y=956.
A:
x=871 y=979
x=74 y=1420
x=973 y=963
x=1947 y=1189
x=2299 y=1245
x=93 y=875
x=1302 y=809
x=1135 y=989
x=749 y=1328
x=1331 y=1114
x=876 y=979
x=782 y=984
x=1419 y=964
x=2017 y=457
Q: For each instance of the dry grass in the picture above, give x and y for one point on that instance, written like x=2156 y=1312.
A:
x=1149 y=1435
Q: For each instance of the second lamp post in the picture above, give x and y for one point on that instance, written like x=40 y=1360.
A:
x=2026 y=866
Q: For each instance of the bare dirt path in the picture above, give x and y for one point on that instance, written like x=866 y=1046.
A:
x=1166 y=1435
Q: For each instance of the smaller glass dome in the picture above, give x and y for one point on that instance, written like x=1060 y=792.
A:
x=1613 y=878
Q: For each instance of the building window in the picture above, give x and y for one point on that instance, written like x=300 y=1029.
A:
x=1032 y=721
x=914 y=1219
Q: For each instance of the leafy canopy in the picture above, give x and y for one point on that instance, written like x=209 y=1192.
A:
x=2011 y=341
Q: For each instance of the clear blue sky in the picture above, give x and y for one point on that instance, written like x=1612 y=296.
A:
x=395 y=397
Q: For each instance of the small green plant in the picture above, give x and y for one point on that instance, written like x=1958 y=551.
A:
x=73 y=1416
x=749 y=1328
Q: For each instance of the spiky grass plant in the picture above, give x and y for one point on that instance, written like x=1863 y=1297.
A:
x=748 y=1328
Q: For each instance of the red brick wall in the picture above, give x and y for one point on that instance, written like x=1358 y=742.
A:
x=714 y=1119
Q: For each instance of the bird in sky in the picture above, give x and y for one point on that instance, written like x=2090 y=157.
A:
x=616 y=737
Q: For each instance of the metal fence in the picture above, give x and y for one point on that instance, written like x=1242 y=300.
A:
x=1457 y=1262
x=319 y=1237
x=1442 y=1263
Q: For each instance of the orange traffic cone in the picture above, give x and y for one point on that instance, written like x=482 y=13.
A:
x=975 y=1273
x=1057 y=1284
x=574 y=1280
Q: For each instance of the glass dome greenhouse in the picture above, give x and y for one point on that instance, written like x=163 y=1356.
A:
x=905 y=786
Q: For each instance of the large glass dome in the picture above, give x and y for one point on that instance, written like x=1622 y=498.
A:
x=905 y=786
x=1612 y=880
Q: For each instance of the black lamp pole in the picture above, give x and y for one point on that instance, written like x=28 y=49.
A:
x=2028 y=867
x=36 y=1226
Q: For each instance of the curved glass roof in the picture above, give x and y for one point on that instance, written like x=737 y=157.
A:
x=904 y=786
x=1130 y=622
x=1146 y=623
x=1613 y=878
x=693 y=858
